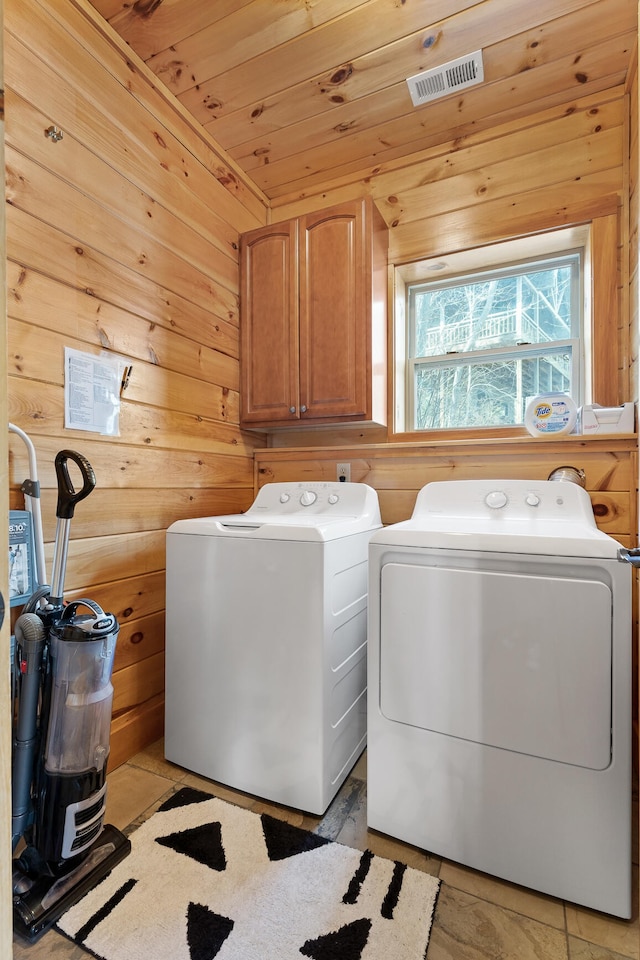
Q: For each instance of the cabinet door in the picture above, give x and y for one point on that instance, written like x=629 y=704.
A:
x=335 y=284
x=269 y=324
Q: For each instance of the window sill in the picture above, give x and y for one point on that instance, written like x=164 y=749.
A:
x=507 y=444
x=505 y=436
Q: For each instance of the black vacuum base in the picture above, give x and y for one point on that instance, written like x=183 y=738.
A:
x=35 y=911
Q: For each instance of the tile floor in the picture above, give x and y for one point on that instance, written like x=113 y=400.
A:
x=477 y=917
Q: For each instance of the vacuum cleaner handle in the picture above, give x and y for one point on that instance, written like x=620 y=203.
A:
x=67 y=494
x=67 y=499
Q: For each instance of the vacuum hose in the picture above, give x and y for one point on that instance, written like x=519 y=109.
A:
x=30 y=635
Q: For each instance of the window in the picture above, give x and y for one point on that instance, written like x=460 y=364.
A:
x=480 y=342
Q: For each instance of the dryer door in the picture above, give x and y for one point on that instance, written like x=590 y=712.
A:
x=511 y=658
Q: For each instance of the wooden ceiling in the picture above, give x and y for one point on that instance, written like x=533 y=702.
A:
x=302 y=93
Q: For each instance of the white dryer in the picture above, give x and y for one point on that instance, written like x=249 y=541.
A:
x=499 y=730
x=266 y=641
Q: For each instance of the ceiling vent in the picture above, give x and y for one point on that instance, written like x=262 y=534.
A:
x=441 y=81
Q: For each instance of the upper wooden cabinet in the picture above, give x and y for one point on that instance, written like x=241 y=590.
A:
x=313 y=295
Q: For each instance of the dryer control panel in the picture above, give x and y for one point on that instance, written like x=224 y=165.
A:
x=506 y=500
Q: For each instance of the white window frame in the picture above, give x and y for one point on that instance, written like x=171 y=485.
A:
x=496 y=258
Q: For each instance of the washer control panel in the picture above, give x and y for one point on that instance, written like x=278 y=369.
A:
x=315 y=498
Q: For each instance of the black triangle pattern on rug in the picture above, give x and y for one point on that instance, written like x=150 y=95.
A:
x=284 y=840
x=184 y=797
x=203 y=844
x=347 y=943
x=206 y=932
x=205 y=915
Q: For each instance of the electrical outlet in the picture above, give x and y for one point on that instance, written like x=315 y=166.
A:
x=343 y=472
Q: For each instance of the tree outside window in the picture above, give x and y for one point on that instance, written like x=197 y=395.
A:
x=481 y=345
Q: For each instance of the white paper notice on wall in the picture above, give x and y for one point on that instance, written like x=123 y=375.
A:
x=92 y=392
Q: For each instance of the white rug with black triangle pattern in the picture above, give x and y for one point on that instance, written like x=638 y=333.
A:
x=206 y=879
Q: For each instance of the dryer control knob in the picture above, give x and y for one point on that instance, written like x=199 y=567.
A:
x=308 y=497
x=284 y=498
x=532 y=499
x=333 y=498
x=496 y=499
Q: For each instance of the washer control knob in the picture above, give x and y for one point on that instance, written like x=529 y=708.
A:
x=284 y=498
x=496 y=499
x=308 y=497
x=532 y=499
x=333 y=498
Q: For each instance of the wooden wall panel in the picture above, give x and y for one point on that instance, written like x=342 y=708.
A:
x=48 y=249
x=142 y=508
x=123 y=240
x=84 y=315
x=610 y=378
x=634 y=221
x=31 y=187
x=139 y=639
x=135 y=684
x=6 y=744
x=132 y=730
x=92 y=74
x=386 y=129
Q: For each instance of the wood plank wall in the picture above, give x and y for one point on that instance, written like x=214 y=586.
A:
x=122 y=238
x=6 y=886
x=634 y=220
x=559 y=166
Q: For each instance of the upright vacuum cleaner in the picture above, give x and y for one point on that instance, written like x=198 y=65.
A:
x=61 y=723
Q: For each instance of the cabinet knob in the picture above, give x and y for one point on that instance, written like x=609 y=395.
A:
x=292 y=409
x=303 y=409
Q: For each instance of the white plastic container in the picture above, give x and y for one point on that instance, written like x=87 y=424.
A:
x=596 y=419
x=550 y=414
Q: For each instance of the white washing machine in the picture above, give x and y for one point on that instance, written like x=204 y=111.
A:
x=266 y=641
x=499 y=729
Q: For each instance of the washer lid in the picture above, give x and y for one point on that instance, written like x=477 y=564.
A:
x=504 y=516
x=311 y=511
x=270 y=528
